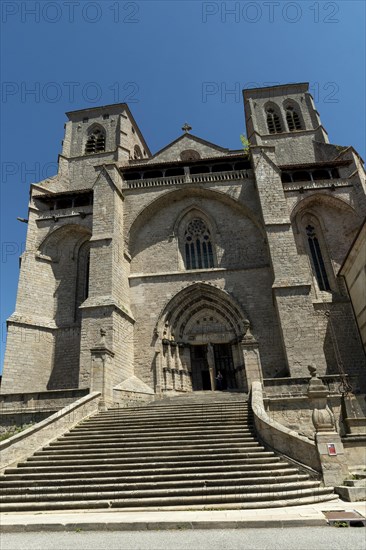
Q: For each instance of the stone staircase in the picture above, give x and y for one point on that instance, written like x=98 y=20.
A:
x=191 y=452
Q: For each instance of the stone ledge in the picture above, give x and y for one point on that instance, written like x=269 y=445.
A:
x=20 y=446
x=281 y=439
x=351 y=494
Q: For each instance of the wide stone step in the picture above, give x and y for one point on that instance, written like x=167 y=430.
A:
x=134 y=430
x=162 y=412
x=170 y=425
x=216 y=469
x=108 y=440
x=163 y=430
x=124 y=490
x=176 y=497
x=152 y=480
x=191 y=399
x=161 y=435
x=223 y=410
x=121 y=442
x=81 y=454
x=115 y=436
x=151 y=461
x=119 y=447
x=168 y=411
x=170 y=422
x=183 y=453
x=197 y=397
x=183 y=407
x=192 y=503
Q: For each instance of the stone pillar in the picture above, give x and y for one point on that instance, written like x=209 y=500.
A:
x=186 y=359
x=158 y=372
x=239 y=366
x=211 y=365
x=329 y=445
x=107 y=305
x=168 y=366
x=292 y=277
x=251 y=358
x=101 y=360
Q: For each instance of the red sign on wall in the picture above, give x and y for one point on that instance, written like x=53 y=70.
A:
x=331 y=449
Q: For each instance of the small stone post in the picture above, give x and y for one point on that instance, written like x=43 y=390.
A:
x=329 y=445
x=251 y=358
x=101 y=356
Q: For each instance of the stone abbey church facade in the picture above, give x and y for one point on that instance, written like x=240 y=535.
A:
x=149 y=273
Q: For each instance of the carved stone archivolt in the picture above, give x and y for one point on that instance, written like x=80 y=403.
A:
x=199 y=315
x=201 y=309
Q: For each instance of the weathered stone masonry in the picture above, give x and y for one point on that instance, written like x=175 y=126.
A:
x=139 y=266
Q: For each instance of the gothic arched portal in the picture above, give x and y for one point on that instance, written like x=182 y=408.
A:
x=200 y=330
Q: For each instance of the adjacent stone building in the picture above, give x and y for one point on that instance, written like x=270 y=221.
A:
x=149 y=273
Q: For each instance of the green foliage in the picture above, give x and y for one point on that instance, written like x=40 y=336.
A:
x=245 y=142
x=13 y=430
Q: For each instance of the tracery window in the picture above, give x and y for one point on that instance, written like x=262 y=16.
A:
x=137 y=154
x=95 y=142
x=198 y=245
x=189 y=154
x=293 y=119
x=273 y=121
x=317 y=258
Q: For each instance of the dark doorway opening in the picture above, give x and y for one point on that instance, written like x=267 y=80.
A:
x=206 y=380
x=200 y=371
x=224 y=363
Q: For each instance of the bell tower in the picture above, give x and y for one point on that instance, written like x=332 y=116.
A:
x=284 y=117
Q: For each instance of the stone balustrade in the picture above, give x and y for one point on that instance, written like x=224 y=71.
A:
x=209 y=177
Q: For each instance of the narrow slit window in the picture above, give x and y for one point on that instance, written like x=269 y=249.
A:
x=198 y=247
x=317 y=259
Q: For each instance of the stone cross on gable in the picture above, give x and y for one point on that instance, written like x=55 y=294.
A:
x=186 y=127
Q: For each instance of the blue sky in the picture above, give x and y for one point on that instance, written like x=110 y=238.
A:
x=172 y=62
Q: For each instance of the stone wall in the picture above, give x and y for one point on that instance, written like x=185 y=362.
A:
x=22 y=445
x=29 y=408
x=137 y=254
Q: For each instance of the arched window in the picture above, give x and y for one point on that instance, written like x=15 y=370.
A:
x=273 y=121
x=189 y=154
x=293 y=119
x=317 y=259
x=137 y=153
x=95 y=142
x=198 y=246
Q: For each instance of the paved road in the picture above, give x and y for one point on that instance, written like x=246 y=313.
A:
x=292 y=538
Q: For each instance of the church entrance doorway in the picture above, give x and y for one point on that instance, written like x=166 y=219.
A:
x=223 y=363
x=201 y=330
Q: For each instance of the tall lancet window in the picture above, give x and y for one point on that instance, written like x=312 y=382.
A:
x=273 y=122
x=198 y=245
x=293 y=119
x=317 y=258
x=95 y=142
